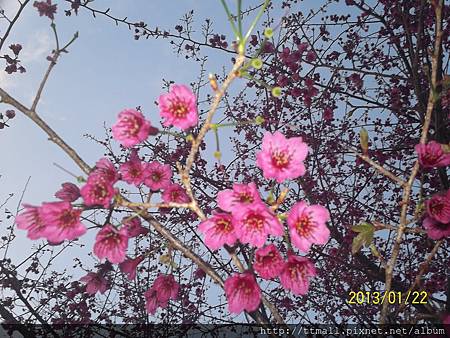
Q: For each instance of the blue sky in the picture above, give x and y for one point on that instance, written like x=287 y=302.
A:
x=105 y=71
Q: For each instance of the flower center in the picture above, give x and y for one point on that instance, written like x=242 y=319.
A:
x=245 y=197
x=135 y=172
x=245 y=288
x=175 y=195
x=304 y=225
x=112 y=239
x=280 y=159
x=99 y=191
x=436 y=206
x=156 y=176
x=67 y=219
x=297 y=269
x=255 y=222
x=267 y=259
x=132 y=125
x=179 y=109
x=224 y=225
x=431 y=157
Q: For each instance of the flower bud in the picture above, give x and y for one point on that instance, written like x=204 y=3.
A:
x=69 y=192
x=268 y=32
x=364 y=140
x=213 y=82
x=259 y=120
x=257 y=63
x=10 y=114
x=276 y=91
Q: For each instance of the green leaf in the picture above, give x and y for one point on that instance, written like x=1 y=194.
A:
x=358 y=242
x=363 y=227
x=364 y=238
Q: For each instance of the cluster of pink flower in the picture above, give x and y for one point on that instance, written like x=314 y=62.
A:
x=59 y=221
x=437 y=221
x=178 y=108
x=244 y=217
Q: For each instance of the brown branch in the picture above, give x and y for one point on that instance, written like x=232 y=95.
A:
x=378 y=167
x=432 y=97
x=175 y=242
x=423 y=268
x=52 y=136
x=12 y=22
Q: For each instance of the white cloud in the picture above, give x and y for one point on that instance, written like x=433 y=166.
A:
x=38 y=46
x=6 y=80
x=10 y=7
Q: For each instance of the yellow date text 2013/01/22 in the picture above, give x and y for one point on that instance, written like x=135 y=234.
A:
x=392 y=297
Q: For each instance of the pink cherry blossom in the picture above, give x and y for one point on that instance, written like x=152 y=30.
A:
x=30 y=219
x=178 y=107
x=218 y=230
x=242 y=292
x=175 y=193
x=307 y=225
x=163 y=289
x=436 y=230
x=157 y=175
x=282 y=158
x=268 y=262
x=432 y=155
x=167 y=287
x=254 y=224
x=438 y=207
x=46 y=8
x=95 y=282
x=242 y=195
x=134 y=227
x=111 y=243
x=296 y=274
x=105 y=169
x=151 y=300
x=69 y=192
x=133 y=171
x=129 y=266
x=97 y=191
x=63 y=222
x=131 y=128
